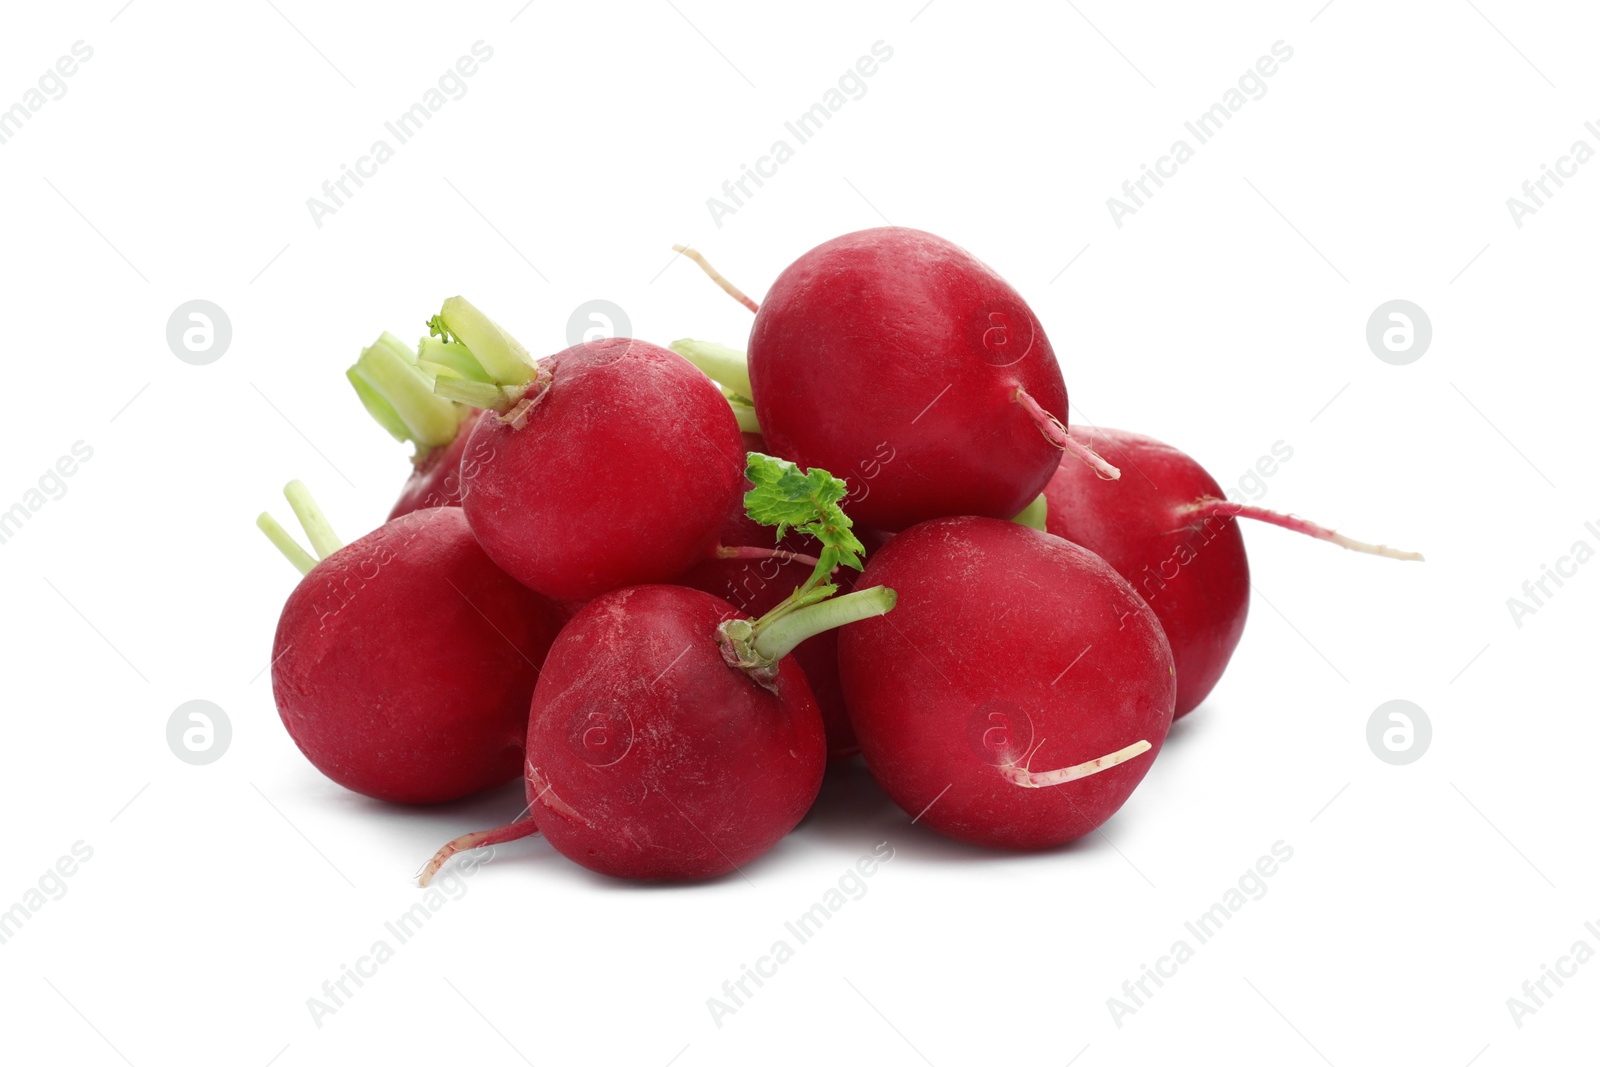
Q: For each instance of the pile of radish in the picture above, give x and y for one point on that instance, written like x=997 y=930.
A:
x=667 y=586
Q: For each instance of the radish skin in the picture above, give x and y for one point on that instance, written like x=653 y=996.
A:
x=895 y=343
x=612 y=465
x=404 y=662
x=1009 y=648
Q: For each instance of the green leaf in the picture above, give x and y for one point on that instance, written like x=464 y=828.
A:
x=784 y=496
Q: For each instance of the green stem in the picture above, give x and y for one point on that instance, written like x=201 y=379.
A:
x=303 y=561
x=450 y=359
x=399 y=395
x=505 y=361
x=323 y=540
x=1034 y=514
x=746 y=416
x=478 y=394
x=777 y=640
x=723 y=365
x=480 y=364
x=757 y=647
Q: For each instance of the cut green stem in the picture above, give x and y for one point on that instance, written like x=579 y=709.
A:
x=478 y=363
x=478 y=394
x=499 y=354
x=1034 y=514
x=450 y=359
x=303 y=561
x=777 y=640
x=726 y=366
x=315 y=524
x=399 y=395
x=323 y=540
x=745 y=416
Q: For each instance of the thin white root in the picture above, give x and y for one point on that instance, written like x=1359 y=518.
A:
x=711 y=272
x=1374 y=550
x=512 y=831
x=1211 y=507
x=1018 y=775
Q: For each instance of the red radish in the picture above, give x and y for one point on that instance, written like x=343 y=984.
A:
x=895 y=351
x=1018 y=693
x=399 y=396
x=648 y=757
x=608 y=464
x=671 y=741
x=404 y=662
x=1168 y=529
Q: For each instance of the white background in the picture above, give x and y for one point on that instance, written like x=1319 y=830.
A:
x=1226 y=315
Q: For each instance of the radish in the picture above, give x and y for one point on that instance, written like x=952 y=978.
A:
x=1168 y=529
x=1018 y=693
x=404 y=662
x=611 y=463
x=892 y=342
x=399 y=395
x=672 y=740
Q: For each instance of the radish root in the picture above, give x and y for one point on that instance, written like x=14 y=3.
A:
x=477 y=839
x=1211 y=507
x=1057 y=435
x=1043 y=779
x=711 y=272
x=753 y=552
